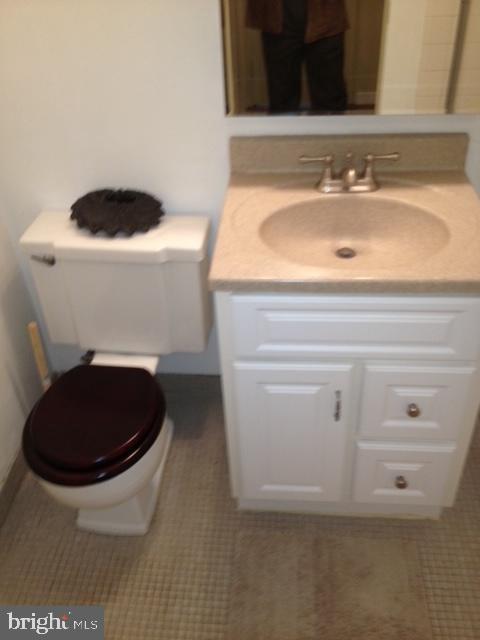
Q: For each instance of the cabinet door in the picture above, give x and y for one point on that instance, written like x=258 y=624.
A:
x=292 y=424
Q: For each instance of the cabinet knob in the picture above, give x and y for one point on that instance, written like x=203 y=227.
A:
x=413 y=410
x=401 y=482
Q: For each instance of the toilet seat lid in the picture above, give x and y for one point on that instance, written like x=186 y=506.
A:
x=94 y=415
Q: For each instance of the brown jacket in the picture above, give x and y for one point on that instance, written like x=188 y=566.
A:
x=325 y=17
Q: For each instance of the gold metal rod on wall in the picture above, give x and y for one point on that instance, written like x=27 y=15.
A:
x=465 y=6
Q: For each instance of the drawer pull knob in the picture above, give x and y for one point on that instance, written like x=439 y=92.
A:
x=401 y=482
x=413 y=410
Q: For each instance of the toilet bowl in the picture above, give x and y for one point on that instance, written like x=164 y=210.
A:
x=97 y=441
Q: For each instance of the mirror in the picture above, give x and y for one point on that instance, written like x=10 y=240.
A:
x=395 y=57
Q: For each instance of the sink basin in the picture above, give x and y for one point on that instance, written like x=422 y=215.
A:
x=354 y=231
x=419 y=232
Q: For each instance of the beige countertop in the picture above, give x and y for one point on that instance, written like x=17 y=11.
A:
x=244 y=262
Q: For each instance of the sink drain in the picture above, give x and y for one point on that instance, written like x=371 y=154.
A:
x=345 y=253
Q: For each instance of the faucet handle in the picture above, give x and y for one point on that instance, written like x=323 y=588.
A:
x=327 y=159
x=368 y=180
x=328 y=183
x=370 y=158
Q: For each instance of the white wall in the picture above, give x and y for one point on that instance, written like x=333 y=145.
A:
x=19 y=387
x=130 y=93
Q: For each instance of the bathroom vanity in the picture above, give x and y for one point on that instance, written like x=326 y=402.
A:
x=351 y=383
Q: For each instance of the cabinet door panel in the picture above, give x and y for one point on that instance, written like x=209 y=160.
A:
x=408 y=401
x=292 y=430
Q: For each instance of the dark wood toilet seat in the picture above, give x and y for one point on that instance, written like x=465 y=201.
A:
x=93 y=423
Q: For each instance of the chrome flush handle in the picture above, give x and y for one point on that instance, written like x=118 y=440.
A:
x=49 y=260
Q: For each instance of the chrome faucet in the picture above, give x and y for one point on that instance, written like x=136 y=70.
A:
x=348 y=180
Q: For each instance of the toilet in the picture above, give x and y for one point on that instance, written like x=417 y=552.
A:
x=98 y=439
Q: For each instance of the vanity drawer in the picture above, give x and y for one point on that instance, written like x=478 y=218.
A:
x=401 y=474
x=367 y=326
x=409 y=401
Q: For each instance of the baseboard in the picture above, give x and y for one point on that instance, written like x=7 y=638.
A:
x=11 y=486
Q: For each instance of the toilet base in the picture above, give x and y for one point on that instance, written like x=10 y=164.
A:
x=132 y=517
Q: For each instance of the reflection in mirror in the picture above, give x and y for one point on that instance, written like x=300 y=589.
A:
x=397 y=56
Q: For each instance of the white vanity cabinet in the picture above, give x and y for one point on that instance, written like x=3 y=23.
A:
x=348 y=404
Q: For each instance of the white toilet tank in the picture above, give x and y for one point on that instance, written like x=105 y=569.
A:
x=146 y=294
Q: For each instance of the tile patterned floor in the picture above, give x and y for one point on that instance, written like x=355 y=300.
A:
x=173 y=584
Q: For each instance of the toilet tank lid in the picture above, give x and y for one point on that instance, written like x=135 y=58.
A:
x=177 y=238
